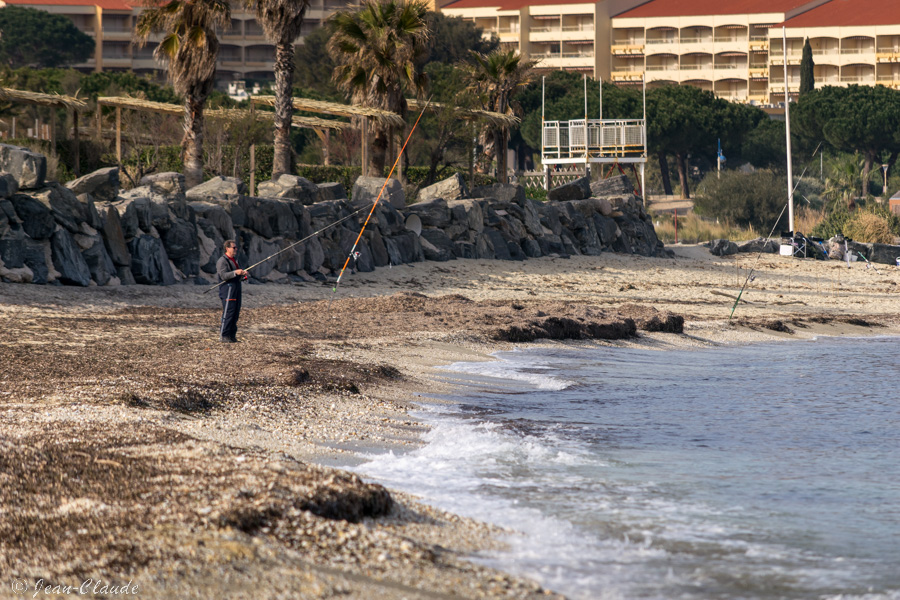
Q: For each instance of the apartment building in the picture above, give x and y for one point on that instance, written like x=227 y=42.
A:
x=853 y=42
x=561 y=34
x=731 y=47
x=244 y=52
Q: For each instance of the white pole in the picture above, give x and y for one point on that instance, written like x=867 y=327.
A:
x=787 y=128
x=601 y=99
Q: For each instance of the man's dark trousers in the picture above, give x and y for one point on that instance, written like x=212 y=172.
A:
x=230 y=293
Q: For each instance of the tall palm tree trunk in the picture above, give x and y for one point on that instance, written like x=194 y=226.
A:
x=193 y=139
x=284 y=107
x=500 y=155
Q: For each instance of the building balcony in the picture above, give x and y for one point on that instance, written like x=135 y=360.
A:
x=121 y=35
x=759 y=43
x=759 y=72
x=119 y=62
x=730 y=45
x=147 y=63
x=662 y=46
x=231 y=62
x=564 y=59
x=261 y=65
x=863 y=79
x=631 y=75
x=887 y=56
x=626 y=49
x=545 y=36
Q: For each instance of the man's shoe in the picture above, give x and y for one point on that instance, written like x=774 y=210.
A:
x=227 y=340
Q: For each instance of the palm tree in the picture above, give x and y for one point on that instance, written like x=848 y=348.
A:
x=281 y=21
x=495 y=78
x=190 y=47
x=844 y=180
x=378 y=50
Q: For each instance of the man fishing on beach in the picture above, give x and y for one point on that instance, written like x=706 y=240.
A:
x=231 y=275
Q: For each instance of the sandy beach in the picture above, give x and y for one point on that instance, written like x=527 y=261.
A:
x=138 y=450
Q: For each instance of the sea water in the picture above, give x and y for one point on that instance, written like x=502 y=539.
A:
x=756 y=471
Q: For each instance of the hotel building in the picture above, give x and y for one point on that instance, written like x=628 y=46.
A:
x=731 y=47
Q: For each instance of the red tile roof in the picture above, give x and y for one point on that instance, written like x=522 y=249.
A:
x=104 y=4
x=511 y=4
x=694 y=8
x=849 y=13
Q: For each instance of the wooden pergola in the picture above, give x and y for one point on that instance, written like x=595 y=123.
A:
x=53 y=101
x=382 y=117
x=138 y=104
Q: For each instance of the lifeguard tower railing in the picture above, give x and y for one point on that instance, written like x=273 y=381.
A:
x=594 y=141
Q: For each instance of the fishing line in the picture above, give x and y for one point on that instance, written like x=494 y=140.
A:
x=341 y=220
x=374 y=204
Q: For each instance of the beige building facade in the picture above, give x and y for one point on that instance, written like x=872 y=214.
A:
x=244 y=52
x=732 y=48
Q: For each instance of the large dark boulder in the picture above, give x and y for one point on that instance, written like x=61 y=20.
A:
x=36 y=254
x=102 y=184
x=217 y=187
x=63 y=204
x=366 y=190
x=164 y=183
x=291 y=187
x=8 y=185
x=114 y=238
x=12 y=249
x=467 y=213
x=502 y=192
x=452 y=188
x=723 y=247
x=8 y=217
x=314 y=257
x=764 y=245
x=886 y=254
x=574 y=190
x=182 y=248
x=379 y=250
x=390 y=220
x=607 y=229
x=331 y=191
x=619 y=185
x=28 y=168
x=149 y=261
x=216 y=215
x=98 y=261
x=67 y=259
x=290 y=260
x=404 y=248
x=37 y=219
x=498 y=243
x=436 y=245
x=434 y=213
x=270 y=218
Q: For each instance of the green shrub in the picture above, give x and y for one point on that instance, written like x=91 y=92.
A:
x=745 y=199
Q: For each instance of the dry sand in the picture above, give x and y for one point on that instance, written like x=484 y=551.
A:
x=136 y=447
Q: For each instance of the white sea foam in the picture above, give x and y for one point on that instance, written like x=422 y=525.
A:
x=530 y=373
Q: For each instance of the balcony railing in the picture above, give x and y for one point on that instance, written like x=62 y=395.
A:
x=586 y=27
x=694 y=67
x=866 y=50
x=545 y=29
x=662 y=67
x=609 y=138
x=857 y=78
x=662 y=41
x=578 y=54
x=729 y=40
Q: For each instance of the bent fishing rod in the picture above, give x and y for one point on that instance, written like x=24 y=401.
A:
x=371 y=207
x=750 y=274
x=375 y=204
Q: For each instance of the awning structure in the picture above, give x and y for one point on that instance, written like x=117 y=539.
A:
x=732 y=27
x=71 y=103
x=545 y=17
x=732 y=54
x=579 y=42
x=384 y=117
x=232 y=114
x=494 y=118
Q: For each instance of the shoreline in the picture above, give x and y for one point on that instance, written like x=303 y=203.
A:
x=135 y=379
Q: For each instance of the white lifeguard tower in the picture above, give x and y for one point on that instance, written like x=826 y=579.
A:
x=594 y=141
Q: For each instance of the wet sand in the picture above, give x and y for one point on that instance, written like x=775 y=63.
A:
x=136 y=447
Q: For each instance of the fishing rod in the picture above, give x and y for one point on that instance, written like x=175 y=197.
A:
x=352 y=253
x=286 y=248
x=750 y=274
x=369 y=207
